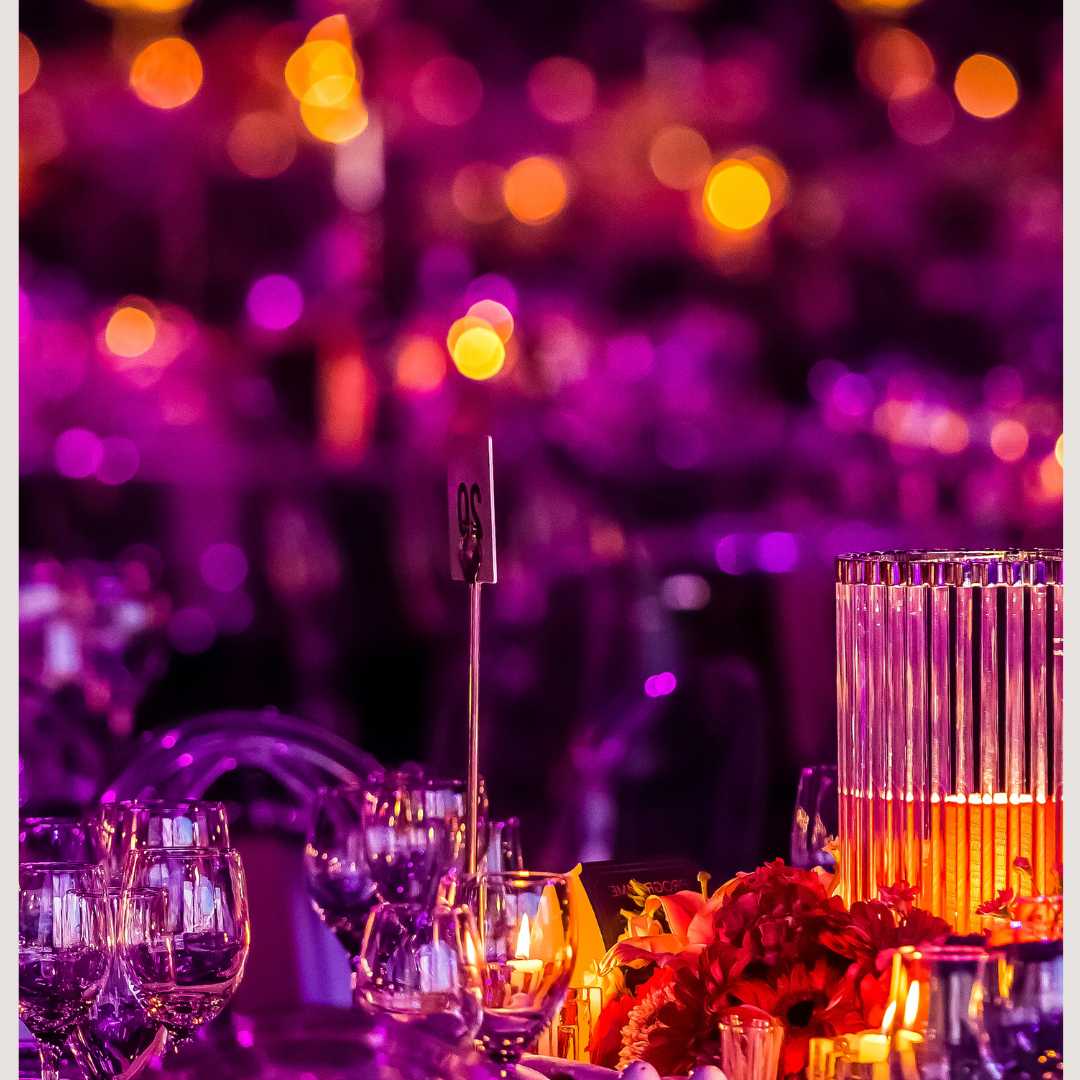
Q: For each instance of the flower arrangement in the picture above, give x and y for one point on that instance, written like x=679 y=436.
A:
x=776 y=940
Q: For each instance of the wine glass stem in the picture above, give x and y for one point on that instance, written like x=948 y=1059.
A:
x=50 y=1055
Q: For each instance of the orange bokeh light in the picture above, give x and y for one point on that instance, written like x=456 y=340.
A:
x=130 y=331
x=459 y=326
x=421 y=365
x=476 y=192
x=896 y=63
x=535 y=190
x=346 y=399
x=562 y=90
x=479 y=353
x=262 y=144
x=949 y=433
x=496 y=315
x=737 y=195
x=985 y=86
x=1009 y=440
x=332 y=28
x=679 y=157
x=167 y=73
x=321 y=73
x=29 y=64
x=879 y=7
x=1059 y=449
x=1051 y=477
x=337 y=123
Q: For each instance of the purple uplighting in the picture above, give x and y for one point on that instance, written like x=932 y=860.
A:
x=275 y=302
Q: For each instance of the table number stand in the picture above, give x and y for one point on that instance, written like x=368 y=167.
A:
x=471 y=505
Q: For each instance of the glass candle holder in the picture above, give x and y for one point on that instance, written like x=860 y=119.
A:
x=949 y=712
x=749 y=1045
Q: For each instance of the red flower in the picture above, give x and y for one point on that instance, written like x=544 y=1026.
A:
x=606 y=1041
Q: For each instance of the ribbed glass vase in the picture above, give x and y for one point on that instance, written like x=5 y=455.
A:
x=949 y=716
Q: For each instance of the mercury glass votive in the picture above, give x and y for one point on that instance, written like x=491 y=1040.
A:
x=949 y=715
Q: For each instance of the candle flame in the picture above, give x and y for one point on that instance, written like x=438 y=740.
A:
x=911 y=1006
x=887 y=1019
x=521 y=950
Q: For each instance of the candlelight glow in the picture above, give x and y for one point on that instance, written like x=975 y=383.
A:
x=986 y=87
x=888 y=1017
x=911 y=1006
x=737 y=195
x=167 y=73
x=524 y=940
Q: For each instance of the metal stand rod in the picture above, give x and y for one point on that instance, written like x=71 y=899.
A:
x=473 y=779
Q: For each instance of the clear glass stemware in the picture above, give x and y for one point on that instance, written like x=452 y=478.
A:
x=815 y=822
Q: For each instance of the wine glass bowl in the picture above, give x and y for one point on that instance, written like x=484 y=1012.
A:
x=185 y=957
x=65 y=942
x=423 y=969
x=335 y=863
x=529 y=935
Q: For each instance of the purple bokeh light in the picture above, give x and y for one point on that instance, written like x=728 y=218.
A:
x=275 y=302
x=119 y=461
x=224 y=567
x=661 y=684
x=777 y=552
x=77 y=453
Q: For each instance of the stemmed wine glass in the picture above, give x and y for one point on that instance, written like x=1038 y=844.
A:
x=815 y=822
x=529 y=935
x=425 y=973
x=157 y=823
x=64 y=947
x=1018 y=1001
x=59 y=840
x=185 y=959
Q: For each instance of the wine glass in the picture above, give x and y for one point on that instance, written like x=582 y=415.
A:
x=117 y=1037
x=448 y=799
x=60 y=840
x=64 y=947
x=339 y=882
x=1018 y=1001
x=504 y=850
x=423 y=969
x=815 y=823
x=529 y=935
x=185 y=963
x=408 y=851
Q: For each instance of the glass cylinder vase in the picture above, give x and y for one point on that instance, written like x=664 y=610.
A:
x=949 y=715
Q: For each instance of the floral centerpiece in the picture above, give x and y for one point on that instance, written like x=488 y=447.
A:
x=776 y=940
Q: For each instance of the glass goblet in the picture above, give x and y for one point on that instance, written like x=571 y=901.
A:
x=335 y=864
x=815 y=822
x=529 y=934
x=64 y=948
x=1019 y=1002
x=185 y=964
x=161 y=824
x=423 y=969
x=117 y=1038
x=60 y=840
x=448 y=799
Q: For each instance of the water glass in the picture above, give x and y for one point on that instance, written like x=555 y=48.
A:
x=64 y=948
x=185 y=958
x=423 y=968
x=749 y=1045
x=815 y=823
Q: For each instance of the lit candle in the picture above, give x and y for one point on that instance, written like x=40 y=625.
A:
x=522 y=967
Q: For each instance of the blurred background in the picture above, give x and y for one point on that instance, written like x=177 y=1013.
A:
x=758 y=283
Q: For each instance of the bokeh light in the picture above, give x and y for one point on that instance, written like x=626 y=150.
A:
x=420 y=365
x=985 y=86
x=679 y=157
x=167 y=73
x=332 y=28
x=777 y=552
x=479 y=353
x=321 y=73
x=346 y=404
x=879 y=7
x=275 y=302
x=922 y=119
x=535 y=190
x=1059 y=449
x=77 y=453
x=119 y=461
x=340 y=123
x=223 y=566
x=191 y=630
x=1009 y=440
x=477 y=192
x=447 y=91
x=562 y=90
x=130 y=331
x=1051 y=477
x=660 y=685
x=737 y=195
x=29 y=64
x=459 y=326
x=896 y=63
x=496 y=315
x=261 y=144
x=950 y=433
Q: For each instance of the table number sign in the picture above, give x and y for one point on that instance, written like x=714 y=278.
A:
x=470 y=494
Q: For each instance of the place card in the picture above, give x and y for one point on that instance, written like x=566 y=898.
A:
x=470 y=496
